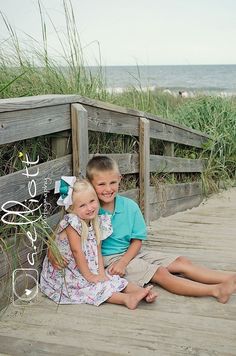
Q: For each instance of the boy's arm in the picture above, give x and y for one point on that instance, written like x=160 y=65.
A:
x=80 y=260
x=119 y=266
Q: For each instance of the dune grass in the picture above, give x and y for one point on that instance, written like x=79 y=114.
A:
x=28 y=67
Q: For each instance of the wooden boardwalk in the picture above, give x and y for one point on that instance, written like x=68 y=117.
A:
x=174 y=325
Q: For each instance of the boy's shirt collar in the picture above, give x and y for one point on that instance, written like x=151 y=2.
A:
x=119 y=206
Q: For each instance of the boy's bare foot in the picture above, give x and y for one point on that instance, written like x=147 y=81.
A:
x=151 y=297
x=226 y=289
x=133 y=299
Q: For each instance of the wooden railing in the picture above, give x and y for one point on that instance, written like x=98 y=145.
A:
x=30 y=117
x=65 y=115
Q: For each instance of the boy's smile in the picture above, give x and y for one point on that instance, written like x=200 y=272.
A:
x=106 y=185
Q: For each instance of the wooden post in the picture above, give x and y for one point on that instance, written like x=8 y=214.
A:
x=144 y=167
x=169 y=149
x=61 y=144
x=79 y=127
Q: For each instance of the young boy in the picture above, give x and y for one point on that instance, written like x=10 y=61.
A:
x=123 y=253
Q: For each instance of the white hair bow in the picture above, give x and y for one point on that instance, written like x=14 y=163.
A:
x=65 y=188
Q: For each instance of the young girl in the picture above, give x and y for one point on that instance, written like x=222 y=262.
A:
x=84 y=280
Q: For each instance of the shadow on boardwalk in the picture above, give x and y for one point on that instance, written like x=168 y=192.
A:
x=174 y=325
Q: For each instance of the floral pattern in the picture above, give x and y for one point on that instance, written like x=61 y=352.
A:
x=68 y=286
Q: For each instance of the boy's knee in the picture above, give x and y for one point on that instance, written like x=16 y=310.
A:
x=160 y=274
x=183 y=260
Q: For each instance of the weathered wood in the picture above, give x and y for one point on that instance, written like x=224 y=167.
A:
x=79 y=127
x=170 y=133
x=167 y=164
x=61 y=144
x=165 y=192
x=112 y=122
x=38 y=101
x=109 y=121
x=196 y=325
x=169 y=149
x=144 y=167
x=129 y=163
x=15 y=104
x=171 y=207
x=14 y=187
x=33 y=122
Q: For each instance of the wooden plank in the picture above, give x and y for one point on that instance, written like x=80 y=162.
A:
x=170 y=133
x=173 y=191
x=38 y=101
x=18 y=346
x=45 y=120
x=167 y=164
x=60 y=143
x=14 y=104
x=101 y=120
x=113 y=122
x=33 y=122
x=132 y=112
x=171 y=207
x=196 y=325
x=200 y=334
x=79 y=126
x=14 y=187
x=129 y=163
x=169 y=149
x=144 y=167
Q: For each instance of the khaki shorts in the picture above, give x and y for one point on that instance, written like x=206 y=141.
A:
x=141 y=268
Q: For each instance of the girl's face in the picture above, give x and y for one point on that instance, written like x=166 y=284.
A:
x=106 y=185
x=85 y=204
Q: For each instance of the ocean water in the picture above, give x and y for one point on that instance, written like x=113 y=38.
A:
x=219 y=79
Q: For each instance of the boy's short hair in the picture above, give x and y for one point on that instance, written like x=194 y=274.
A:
x=101 y=164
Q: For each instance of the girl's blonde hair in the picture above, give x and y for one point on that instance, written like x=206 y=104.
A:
x=80 y=186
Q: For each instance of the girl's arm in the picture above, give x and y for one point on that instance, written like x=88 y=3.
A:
x=80 y=260
x=101 y=269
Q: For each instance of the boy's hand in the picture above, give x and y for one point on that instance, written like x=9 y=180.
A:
x=117 y=267
x=54 y=262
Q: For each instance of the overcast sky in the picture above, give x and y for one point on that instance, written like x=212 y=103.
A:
x=142 y=32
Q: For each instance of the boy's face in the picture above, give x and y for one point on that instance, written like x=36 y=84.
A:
x=106 y=185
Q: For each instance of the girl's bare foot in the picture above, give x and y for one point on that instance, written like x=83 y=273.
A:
x=151 y=297
x=225 y=290
x=133 y=299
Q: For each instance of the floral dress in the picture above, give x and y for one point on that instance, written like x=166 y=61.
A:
x=68 y=286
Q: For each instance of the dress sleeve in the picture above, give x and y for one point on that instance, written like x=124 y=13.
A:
x=105 y=226
x=72 y=220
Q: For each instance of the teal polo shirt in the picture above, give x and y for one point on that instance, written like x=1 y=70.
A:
x=127 y=223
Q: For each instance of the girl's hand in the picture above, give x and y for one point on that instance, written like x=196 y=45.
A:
x=96 y=278
x=117 y=267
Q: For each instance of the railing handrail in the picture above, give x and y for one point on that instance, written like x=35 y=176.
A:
x=33 y=102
